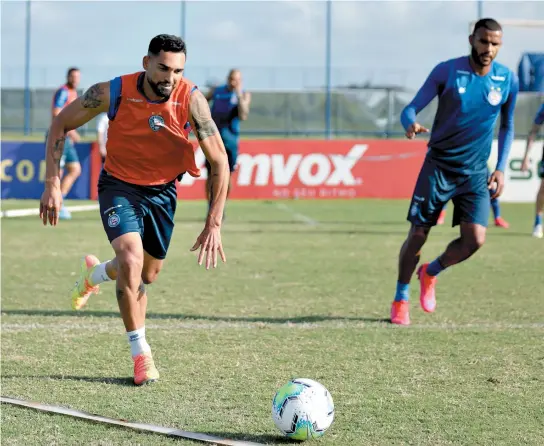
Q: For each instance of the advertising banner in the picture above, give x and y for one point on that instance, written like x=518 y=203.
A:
x=23 y=170
x=276 y=169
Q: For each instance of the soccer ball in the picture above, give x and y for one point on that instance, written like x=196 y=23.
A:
x=302 y=409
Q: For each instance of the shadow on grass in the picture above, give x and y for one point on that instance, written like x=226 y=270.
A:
x=258 y=438
x=127 y=382
x=189 y=317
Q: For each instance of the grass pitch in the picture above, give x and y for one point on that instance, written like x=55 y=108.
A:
x=306 y=292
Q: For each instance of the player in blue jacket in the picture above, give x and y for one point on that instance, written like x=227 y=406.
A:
x=472 y=91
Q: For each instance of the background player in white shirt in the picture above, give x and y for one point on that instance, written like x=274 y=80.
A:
x=102 y=124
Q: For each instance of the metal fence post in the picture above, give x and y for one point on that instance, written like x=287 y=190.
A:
x=27 y=69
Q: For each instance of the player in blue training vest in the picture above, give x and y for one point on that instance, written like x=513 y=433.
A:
x=230 y=105
x=538 y=232
x=472 y=91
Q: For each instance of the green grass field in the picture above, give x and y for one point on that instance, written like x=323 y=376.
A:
x=293 y=300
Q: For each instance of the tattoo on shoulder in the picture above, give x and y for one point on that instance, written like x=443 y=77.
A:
x=202 y=117
x=93 y=96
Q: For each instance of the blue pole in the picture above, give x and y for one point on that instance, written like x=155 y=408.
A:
x=183 y=19
x=480 y=9
x=328 y=69
x=27 y=70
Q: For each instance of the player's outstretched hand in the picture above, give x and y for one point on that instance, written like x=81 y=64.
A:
x=415 y=129
x=209 y=242
x=50 y=204
x=496 y=183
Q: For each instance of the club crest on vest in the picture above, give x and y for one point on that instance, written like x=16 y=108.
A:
x=156 y=122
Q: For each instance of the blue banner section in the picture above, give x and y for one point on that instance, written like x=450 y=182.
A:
x=23 y=170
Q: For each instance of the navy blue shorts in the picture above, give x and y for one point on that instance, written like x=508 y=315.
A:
x=147 y=210
x=435 y=186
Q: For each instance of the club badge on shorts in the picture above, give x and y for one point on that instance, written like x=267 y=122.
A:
x=113 y=220
x=414 y=209
x=495 y=96
x=156 y=122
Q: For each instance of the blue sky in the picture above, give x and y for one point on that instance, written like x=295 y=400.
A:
x=277 y=44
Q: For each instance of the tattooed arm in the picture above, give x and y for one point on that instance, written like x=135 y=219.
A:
x=212 y=145
x=95 y=101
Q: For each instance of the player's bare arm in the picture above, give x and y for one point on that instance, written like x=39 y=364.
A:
x=530 y=140
x=212 y=145
x=96 y=100
x=72 y=133
x=102 y=143
x=244 y=100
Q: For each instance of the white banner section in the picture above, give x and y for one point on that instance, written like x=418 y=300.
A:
x=520 y=187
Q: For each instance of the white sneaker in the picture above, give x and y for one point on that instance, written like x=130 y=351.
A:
x=538 y=231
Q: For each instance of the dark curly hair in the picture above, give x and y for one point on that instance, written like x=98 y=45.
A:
x=167 y=43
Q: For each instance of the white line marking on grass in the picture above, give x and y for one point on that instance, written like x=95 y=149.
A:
x=296 y=215
x=206 y=438
x=36 y=211
x=114 y=324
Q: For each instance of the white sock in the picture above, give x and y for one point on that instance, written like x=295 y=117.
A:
x=99 y=274
x=137 y=341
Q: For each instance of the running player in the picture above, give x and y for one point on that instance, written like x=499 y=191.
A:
x=539 y=120
x=69 y=163
x=147 y=150
x=230 y=105
x=472 y=91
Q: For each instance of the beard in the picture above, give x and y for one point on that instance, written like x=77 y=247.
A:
x=477 y=58
x=161 y=89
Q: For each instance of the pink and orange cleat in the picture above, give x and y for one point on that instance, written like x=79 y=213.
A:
x=441 y=218
x=427 y=297
x=501 y=223
x=400 y=312
x=83 y=288
x=144 y=369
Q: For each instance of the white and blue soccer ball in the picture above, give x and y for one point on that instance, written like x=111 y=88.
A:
x=303 y=409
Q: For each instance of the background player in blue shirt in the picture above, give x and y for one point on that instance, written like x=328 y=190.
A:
x=472 y=91
x=230 y=105
x=539 y=120
x=69 y=162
